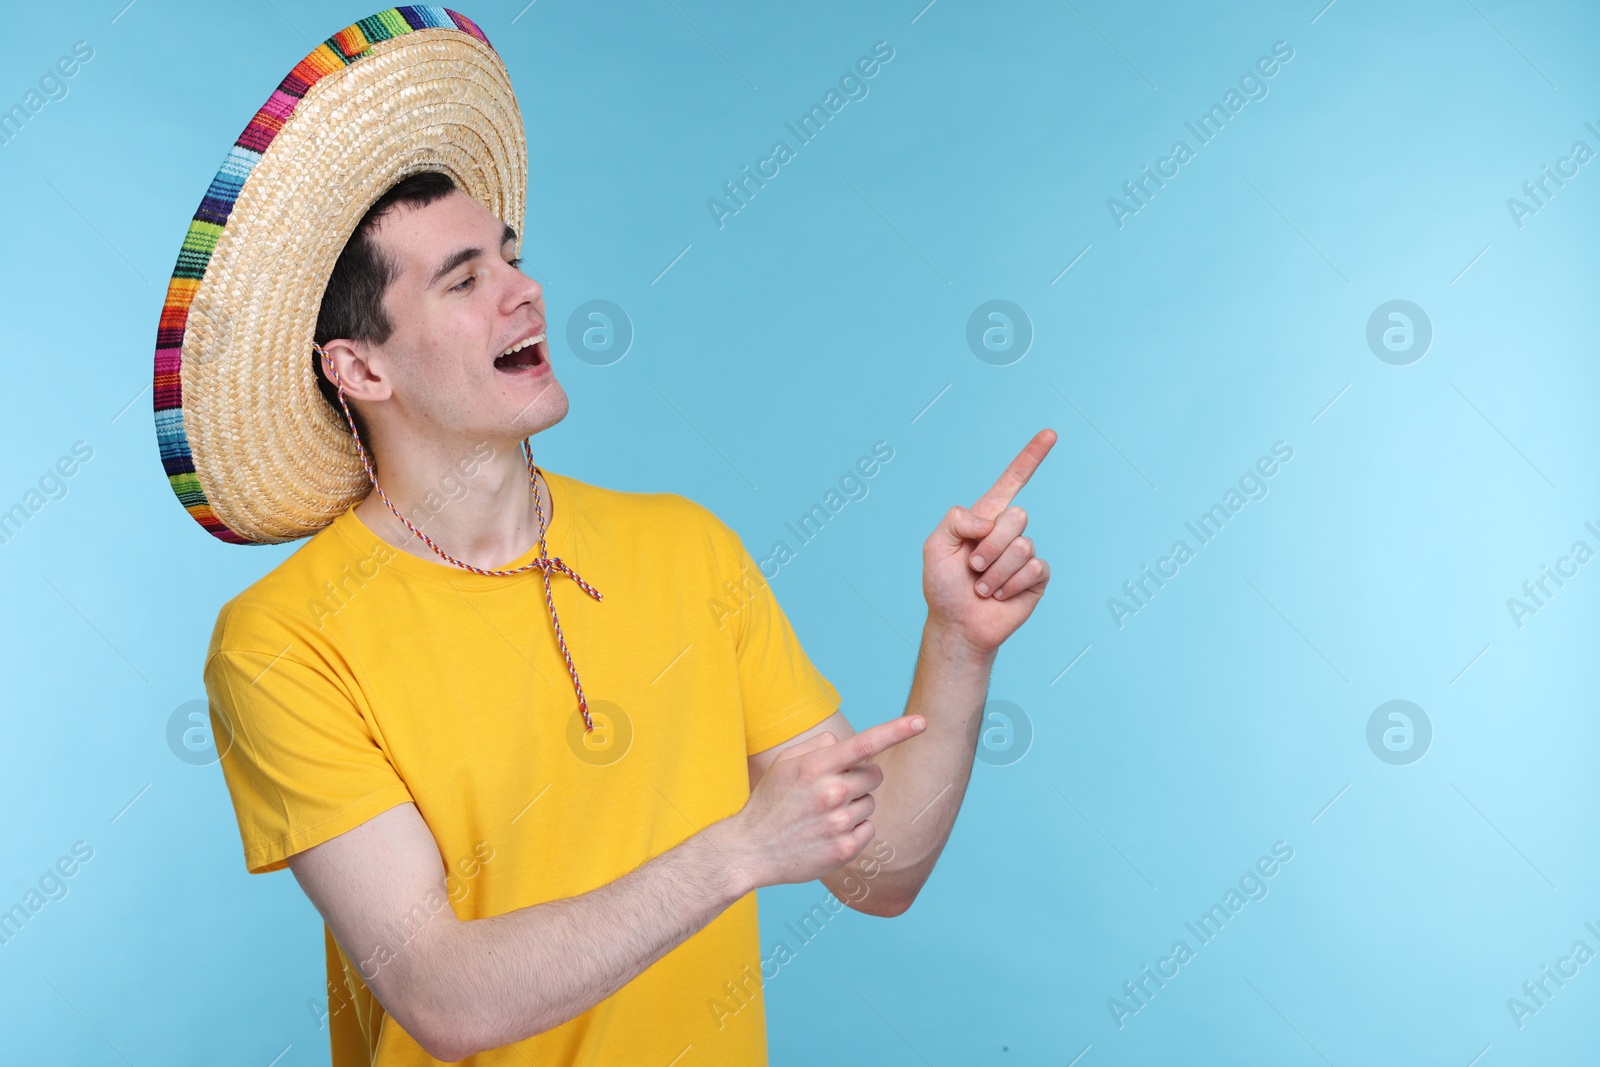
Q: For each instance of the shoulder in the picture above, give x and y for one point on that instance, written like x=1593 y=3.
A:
x=279 y=610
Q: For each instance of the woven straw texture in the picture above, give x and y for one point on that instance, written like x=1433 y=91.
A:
x=250 y=447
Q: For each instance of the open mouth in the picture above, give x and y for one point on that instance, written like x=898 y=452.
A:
x=523 y=356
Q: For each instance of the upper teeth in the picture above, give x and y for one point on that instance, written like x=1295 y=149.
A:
x=520 y=345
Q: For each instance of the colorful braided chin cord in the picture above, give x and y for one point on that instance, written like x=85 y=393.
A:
x=545 y=563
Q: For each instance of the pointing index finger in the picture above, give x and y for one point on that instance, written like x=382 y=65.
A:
x=868 y=743
x=1015 y=476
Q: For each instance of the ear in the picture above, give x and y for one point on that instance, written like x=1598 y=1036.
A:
x=359 y=366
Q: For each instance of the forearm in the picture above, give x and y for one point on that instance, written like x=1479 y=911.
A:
x=924 y=778
x=504 y=978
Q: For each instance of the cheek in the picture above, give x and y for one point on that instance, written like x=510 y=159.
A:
x=455 y=358
x=434 y=383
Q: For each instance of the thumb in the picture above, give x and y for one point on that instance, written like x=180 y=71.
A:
x=961 y=524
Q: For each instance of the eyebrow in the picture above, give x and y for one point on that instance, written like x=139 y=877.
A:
x=462 y=255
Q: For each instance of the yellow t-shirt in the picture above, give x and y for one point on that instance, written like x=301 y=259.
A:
x=355 y=677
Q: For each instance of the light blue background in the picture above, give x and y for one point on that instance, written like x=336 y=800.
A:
x=826 y=315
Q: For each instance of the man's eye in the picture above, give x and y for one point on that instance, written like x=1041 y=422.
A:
x=464 y=283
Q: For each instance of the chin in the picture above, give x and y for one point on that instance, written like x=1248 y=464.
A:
x=541 y=412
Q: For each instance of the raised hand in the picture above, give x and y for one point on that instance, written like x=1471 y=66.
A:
x=811 y=811
x=979 y=574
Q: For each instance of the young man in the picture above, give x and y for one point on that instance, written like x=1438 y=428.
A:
x=530 y=841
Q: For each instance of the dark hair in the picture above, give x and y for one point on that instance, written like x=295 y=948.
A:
x=352 y=303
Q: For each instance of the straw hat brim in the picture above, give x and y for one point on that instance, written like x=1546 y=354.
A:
x=251 y=448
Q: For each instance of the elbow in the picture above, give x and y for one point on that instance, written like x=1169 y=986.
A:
x=441 y=1037
x=430 y=1001
x=451 y=1034
x=451 y=1040
x=881 y=892
x=452 y=1023
x=899 y=906
x=444 y=1047
x=878 y=911
x=885 y=905
x=451 y=1037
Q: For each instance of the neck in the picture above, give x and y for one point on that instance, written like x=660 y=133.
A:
x=470 y=497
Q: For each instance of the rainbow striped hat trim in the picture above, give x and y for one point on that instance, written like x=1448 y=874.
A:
x=235 y=497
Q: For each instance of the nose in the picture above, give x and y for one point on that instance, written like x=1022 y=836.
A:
x=523 y=288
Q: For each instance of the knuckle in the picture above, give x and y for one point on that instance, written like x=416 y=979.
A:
x=1016 y=514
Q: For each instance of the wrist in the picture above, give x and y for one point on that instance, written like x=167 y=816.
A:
x=950 y=644
x=730 y=864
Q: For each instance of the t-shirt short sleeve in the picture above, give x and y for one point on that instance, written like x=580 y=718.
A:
x=783 y=692
x=300 y=761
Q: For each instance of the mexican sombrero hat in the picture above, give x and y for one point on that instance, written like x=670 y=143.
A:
x=249 y=445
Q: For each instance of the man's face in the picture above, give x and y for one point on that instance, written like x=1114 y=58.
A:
x=457 y=306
